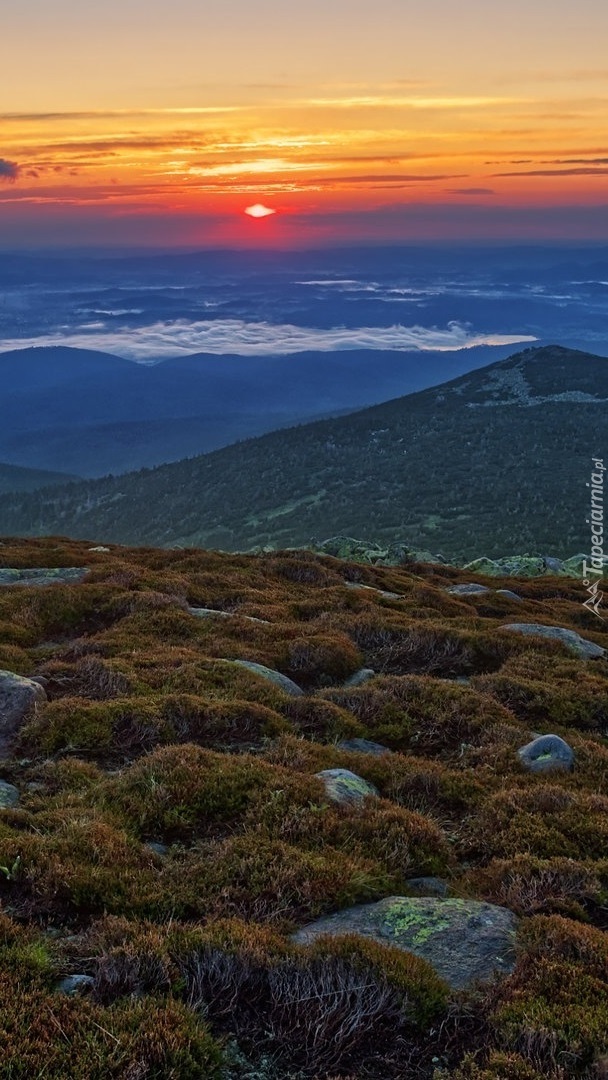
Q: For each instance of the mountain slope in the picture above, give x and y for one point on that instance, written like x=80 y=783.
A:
x=76 y=410
x=13 y=478
x=494 y=461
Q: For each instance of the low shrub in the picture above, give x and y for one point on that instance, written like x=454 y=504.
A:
x=570 y=698
x=321 y=720
x=155 y=1039
x=319 y=660
x=181 y=791
x=425 y=716
x=499 y=1066
x=401 y=650
x=267 y=880
x=528 y=885
x=403 y=842
x=122 y=727
x=543 y=819
x=556 y=1016
x=331 y=1006
x=67 y=861
x=88 y=676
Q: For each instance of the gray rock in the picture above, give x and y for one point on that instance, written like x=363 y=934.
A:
x=573 y=566
x=345 y=787
x=363 y=746
x=271 y=675
x=9 y=795
x=509 y=594
x=361 y=676
x=17 y=698
x=470 y=589
x=573 y=641
x=76 y=984
x=428 y=886
x=372 y=588
x=509 y=566
x=100 y=549
x=210 y=613
x=465 y=941
x=41 y=680
x=554 y=566
x=46 y=575
x=547 y=753
x=157 y=848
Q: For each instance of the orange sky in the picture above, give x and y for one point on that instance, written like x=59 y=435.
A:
x=148 y=123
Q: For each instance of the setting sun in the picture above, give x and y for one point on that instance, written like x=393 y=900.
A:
x=259 y=211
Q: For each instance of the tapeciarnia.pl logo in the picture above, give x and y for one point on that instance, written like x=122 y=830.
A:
x=593 y=571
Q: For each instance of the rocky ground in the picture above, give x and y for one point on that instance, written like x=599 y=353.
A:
x=296 y=816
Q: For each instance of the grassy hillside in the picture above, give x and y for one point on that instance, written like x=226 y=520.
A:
x=171 y=832
x=491 y=462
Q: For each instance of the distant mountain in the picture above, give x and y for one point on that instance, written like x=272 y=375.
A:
x=77 y=410
x=493 y=461
x=13 y=478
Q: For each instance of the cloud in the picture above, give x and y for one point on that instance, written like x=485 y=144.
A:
x=557 y=172
x=381 y=101
x=576 y=161
x=162 y=340
x=9 y=170
x=471 y=191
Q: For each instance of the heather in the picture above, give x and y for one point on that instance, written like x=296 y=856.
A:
x=173 y=830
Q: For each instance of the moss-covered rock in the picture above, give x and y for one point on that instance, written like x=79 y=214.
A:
x=465 y=941
x=344 y=787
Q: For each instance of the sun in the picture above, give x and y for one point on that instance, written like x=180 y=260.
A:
x=259 y=211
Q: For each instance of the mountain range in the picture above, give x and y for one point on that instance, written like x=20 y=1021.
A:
x=92 y=413
x=496 y=460
x=14 y=478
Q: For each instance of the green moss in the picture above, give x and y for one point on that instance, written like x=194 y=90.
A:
x=401 y=918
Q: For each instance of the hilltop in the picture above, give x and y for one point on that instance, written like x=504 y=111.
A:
x=490 y=462
x=14 y=478
x=209 y=760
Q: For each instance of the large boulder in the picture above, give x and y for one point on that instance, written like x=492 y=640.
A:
x=17 y=697
x=276 y=677
x=345 y=787
x=573 y=641
x=509 y=566
x=465 y=941
x=364 y=551
x=547 y=753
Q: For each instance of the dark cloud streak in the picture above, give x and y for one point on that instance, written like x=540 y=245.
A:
x=9 y=170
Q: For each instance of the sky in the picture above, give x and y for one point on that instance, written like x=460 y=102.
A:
x=151 y=124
